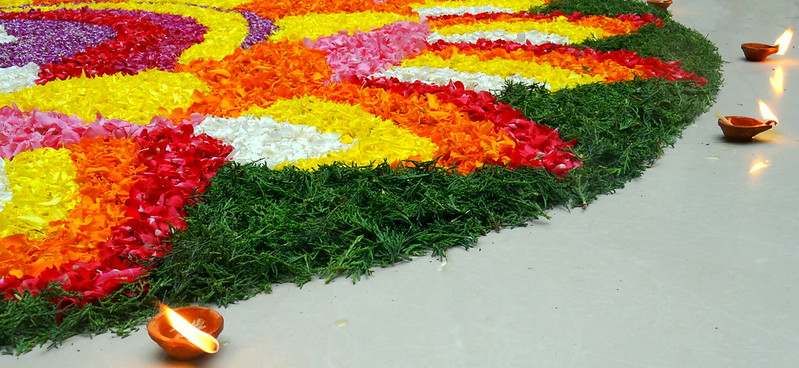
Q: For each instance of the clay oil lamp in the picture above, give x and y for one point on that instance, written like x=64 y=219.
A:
x=186 y=333
x=663 y=4
x=760 y=51
x=743 y=129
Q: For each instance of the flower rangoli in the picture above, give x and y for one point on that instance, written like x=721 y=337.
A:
x=110 y=129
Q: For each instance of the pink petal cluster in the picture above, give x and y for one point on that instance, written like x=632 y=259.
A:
x=22 y=130
x=365 y=53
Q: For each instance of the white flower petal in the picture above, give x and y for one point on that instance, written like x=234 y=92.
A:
x=443 y=76
x=534 y=37
x=437 y=11
x=15 y=78
x=5 y=189
x=5 y=37
x=264 y=140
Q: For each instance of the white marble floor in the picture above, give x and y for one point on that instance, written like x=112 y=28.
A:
x=693 y=265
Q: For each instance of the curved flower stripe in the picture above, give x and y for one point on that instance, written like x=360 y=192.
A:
x=560 y=26
x=373 y=139
x=435 y=7
x=581 y=63
x=621 y=24
x=138 y=34
x=437 y=11
x=175 y=165
x=536 y=145
x=314 y=26
x=611 y=26
x=43 y=182
x=105 y=171
x=365 y=53
x=135 y=98
x=22 y=131
x=533 y=37
x=263 y=140
x=556 y=78
x=178 y=165
x=223 y=4
x=14 y=3
x=462 y=141
x=443 y=76
x=254 y=77
x=259 y=29
x=277 y=9
x=47 y=41
x=226 y=30
x=51 y=2
x=613 y=66
x=576 y=27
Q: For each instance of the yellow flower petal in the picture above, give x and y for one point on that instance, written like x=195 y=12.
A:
x=44 y=188
x=374 y=139
x=560 y=26
x=314 y=26
x=557 y=78
x=226 y=30
x=134 y=98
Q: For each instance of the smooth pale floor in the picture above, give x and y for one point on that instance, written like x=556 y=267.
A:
x=695 y=264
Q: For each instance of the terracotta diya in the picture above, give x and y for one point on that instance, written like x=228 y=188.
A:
x=204 y=325
x=663 y=4
x=758 y=51
x=742 y=128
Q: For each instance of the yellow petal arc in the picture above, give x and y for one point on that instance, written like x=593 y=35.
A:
x=42 y=180
x=226 y=30
x=314 y=26
x=556 y=78
x=374 y=139
x=134 y=98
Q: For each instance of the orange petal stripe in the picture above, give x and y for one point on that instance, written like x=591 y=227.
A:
x=610 y=70
x=276 y=9
x=463 y=142
x=608 y=25
x=255 y=77
x=106 y=168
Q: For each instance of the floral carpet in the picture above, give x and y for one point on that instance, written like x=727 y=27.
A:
x=121 y=120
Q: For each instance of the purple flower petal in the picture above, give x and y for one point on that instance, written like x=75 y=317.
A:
x=260 y=28
x=46 y=41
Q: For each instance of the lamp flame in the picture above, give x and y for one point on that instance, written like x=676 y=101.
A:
x=777 y=81
x=766 y=113
x=759 y=165
x=202 y=340
x=784 y=41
